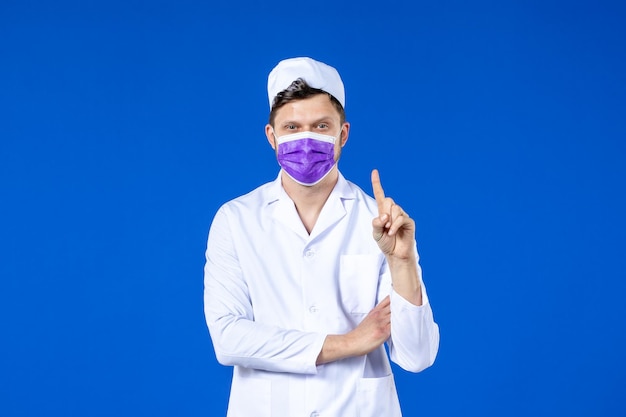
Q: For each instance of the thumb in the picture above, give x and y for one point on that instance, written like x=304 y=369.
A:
x=378 y=226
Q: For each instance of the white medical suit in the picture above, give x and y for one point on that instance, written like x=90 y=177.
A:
x=272 y=293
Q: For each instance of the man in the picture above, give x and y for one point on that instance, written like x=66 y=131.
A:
x=307 y=277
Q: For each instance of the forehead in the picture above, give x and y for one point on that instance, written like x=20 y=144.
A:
x=312 y=108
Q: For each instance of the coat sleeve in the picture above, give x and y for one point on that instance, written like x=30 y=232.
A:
x=239 y=340
x=414 y=340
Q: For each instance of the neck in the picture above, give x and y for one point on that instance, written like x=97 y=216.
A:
x=310 y=200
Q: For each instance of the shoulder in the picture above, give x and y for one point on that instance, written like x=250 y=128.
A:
x=252 y=200
x=241 y=210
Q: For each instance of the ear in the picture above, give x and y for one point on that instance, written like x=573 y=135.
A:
x=269 y=133
x=345 y=131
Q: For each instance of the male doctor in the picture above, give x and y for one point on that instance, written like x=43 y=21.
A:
x=306 y=277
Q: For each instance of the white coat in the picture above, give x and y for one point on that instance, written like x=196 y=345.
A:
x=272 y=293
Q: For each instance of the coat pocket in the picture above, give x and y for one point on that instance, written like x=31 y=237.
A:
x=377 y=397
x=250 y=397
x=358 y=282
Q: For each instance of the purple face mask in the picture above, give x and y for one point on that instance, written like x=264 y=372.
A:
x=306 y=156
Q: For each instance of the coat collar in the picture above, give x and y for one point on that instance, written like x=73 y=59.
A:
x=284 y=210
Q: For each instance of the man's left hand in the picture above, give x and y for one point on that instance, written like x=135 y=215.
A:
x=393 y=229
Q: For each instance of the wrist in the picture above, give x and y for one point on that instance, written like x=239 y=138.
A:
x=336 y=347
x=406 y=280
x=402 y=262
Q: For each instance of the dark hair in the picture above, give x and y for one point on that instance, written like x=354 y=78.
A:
x=299 y=90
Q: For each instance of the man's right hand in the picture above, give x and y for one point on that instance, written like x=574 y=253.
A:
x=372 y=332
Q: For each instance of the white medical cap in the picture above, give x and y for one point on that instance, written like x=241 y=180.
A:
x=315 y=73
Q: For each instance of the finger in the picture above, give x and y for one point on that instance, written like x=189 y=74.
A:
x=379 y=193
x=398 y=219
x=383 y=305
x=383 y=310
x=404 y=223
x=378 y=226
x=386 y=310
x=385 y=302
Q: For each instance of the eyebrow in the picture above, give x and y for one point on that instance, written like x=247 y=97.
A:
x=327 y=119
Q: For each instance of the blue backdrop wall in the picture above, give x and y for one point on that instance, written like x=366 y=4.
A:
x=498 y=125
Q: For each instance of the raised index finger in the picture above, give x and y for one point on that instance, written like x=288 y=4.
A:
x=379 y=194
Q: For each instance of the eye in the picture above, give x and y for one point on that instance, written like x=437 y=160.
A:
x=290 y=126
x=322 y=125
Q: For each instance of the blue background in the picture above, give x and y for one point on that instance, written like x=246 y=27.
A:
x=498 y=125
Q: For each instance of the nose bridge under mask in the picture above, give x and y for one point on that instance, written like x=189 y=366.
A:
x=304 y=135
